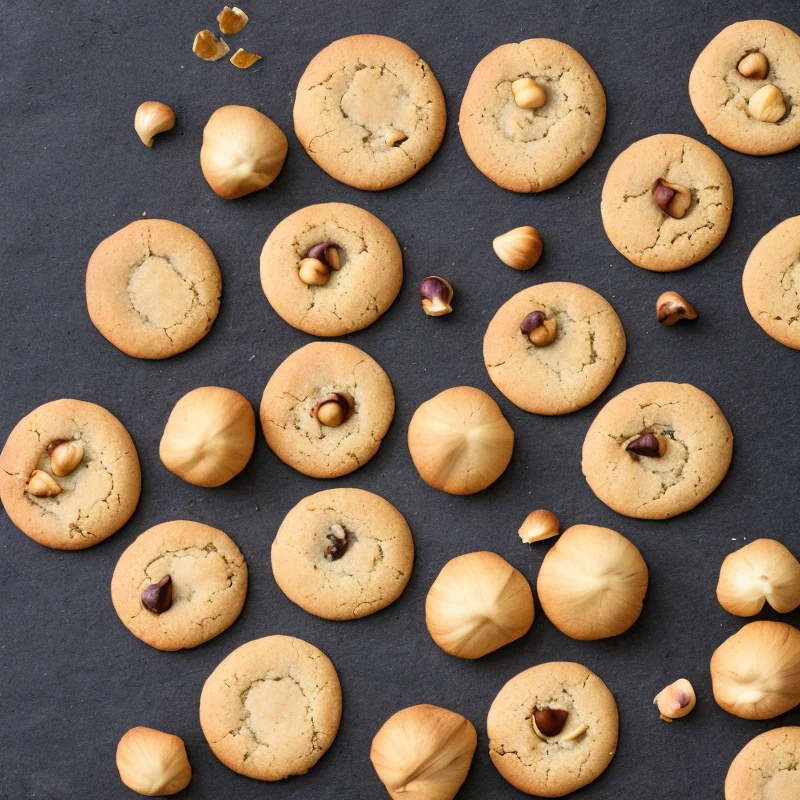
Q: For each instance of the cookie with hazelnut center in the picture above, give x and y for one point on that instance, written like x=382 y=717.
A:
x=766 y=767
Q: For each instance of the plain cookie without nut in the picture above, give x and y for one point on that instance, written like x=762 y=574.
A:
x=767 y=767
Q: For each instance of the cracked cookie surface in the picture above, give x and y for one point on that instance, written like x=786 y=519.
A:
x=370 y=575
x=556 y=765
x=720 y=94
x=698 y=453
x=209 y=584
x=571 y=372
x=97 y=498
x=300 y=382
x=153 y=288
x=771 y=283
x=767 y=767
x=530 y=150
x=272 y=708
x=647 y=236
x=369 y=111
x=356 y=294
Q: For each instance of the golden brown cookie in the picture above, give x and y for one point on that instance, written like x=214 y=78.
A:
x=766 y=767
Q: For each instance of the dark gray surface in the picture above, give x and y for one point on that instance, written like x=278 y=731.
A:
x=73 y=678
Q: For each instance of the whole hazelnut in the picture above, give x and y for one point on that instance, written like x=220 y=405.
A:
x=436 y=294
x=540 y=329
x=153 y=763
x=40 y=484
x=754 y=65
x=767 y=104
x=528 y=94
x=672 y=198
x=648 y=445
x=672 y=308
x=151 y=119
x=64 y=456
x=676 y=700
x=327 y=253
x=520 y=248
x=539 y=525
x=333 y=409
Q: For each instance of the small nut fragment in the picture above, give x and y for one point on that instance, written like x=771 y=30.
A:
x=231 y=20
x=540 y=329
x=436 y=294
x=339 y=543
x=40 y=484
x=648 y=444
x=153 y=763
x=754 y=65
x=332 y=410
x=671 y=308
x=64 y=456
x=209 y=47
x=549 y=721
x=244 y=60
x=579 y=731
x=676 y=700
x=394 y=137
x=313 y=272
x=157 y=597
x=767 y=104
x=327 y=253
x=539 y=525
x=528 y=94
x=519 y=248
x=153 y=118
x=671 y=198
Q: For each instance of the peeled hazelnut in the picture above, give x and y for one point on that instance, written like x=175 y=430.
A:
x=64 y=456
x=244 y=60
x=209 y=47
x=648 y=445
x=153 y=118
x=153 y=763
x=528 y=94
x=762 y=571
x=313 y=272
x=332 y=410
x=477 y=604
x=676 y=700
x=436 y=294
x=424 y=752
x=394 y=137
x=231 y=20
x=338 y=543
x=767 y=104
x=243 y=151
x=540 y=329
x=157 y=597
x=754 y=65
x=209 y=436
x=671 y=198
x=327 y=253
x=539 y=525
x=549 y=721
x=672 y=308
x=520 y=248
x=40 y=484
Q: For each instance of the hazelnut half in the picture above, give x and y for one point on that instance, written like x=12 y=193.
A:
x=549 y=721
x=436 y=294
x=64 y=456
x=333 y=409
x=540 y=329
x=477 y=604
x=648 y=445
x=313 y=272
x=519 y=248
x=151 y=119
x=754 y=65
x=676 y=700
x=672 y=198
x=539 y=525
x=232 y=20
x=338 y=542
x=672 y=308
x=40 y=484
x=157 y=597
x=209 y=47
x=528 y=94
x=767 y=104
x=153 y=763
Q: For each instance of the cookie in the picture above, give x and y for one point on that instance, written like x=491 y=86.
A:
x=687 y=423
x=86 y=491
x=327 y=374
x=771 y=283
x=571 y=371
x=272 y=708
x=369 y=111
x=208 y=580
x=552 y=754
x=766 y=768
x=153 y=288
x=637 y=226
x=366 y=283
x=532 y=149
x=343 y=554
x=721 y=94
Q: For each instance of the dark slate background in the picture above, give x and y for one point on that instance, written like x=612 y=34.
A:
x=73 y=678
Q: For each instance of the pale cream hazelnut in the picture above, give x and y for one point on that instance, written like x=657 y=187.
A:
x=767 y=104
x=519 y=248
x=209 y=47
x=153 y=763
x=477 y=604
x=424 y=752
x=539 y=525
x=209 y=436
x=64 y=456
x=243 y=151
x=755 y=66
x=313 y=272
x=676 y=700
x=755 y=673
x=459 y=440
x=151 y=119
x=592 y=583
x=40 y=484
x=528 y=94
x=762 y=571
x=232 y=20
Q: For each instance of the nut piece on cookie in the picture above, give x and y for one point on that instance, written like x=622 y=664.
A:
x=548 y=721
x=232 y=20
x=528 y=94
x=754 y=65
x=333 y=409
x=671 y=198
x=157 y=597
x=519 y=248
x=151 y=119
x=436 y=294
x=209 y=47
x=676 y=700
x=767 y=104
x=648 y=445
x=672 y=308
x=539 y=525
x=394 y=137
x=153 y=763
x=65 y=456
x=540 y=329
x=40 y=484
x=339 y=542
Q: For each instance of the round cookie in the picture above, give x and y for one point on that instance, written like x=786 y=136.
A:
x=530 y=150
x=153 y=288
x=208 y=577
x=272 y=708
x=699 y=447
x=303 y=380
x=369 y=111
x=96 y=498
x=649 y=237
x=720 y=93
x=343 y=579
x=771 y=282
x=766 y=767
x=573 y=370
x=365 y=285
x=552 y=766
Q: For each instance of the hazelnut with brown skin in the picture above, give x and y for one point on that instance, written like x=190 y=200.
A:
x=648 y=445
x=540 y=329
x=672 y=198
x=157 y=597
x=332 y=410
x=436 y=294
x=672 y=308
x=339 y=543
x=755 y=66
x=676 y=700
x=549 y=721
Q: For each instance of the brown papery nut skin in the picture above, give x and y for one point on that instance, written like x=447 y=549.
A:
x=436 y=294
x=244 y=60
x=540 y=329
x=672 y=198
x=327 y=253
x=648 y=445
x=231 y=20
x=672 y=308
x=539 y=525
x=676 y=700
x=209 y=47
x=157 y=597
x=550 y=721
x=520 y=248
x=755 y=66
x=153 y=763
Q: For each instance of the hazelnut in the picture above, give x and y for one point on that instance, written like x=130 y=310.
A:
x=520 y=248
x=539 y=525
x=327 y=253
x=648 y=445
x=528 y=94
x=676 y=700
x=576 y=733
x=244 y=60
x=157 y=597
x=477 y=604
x=209 y=47
x=40 y=484
x=549 y=721
x=436 y=294
x=333 y=409
x=313 y=272
x=672 y=308
x=540 y=329
x=394 y=137
x=64 y=456
x=153 y=763
x=424 y=752
x=754 y=65
x=231 y=20
x=762 y=571
x=209 y=436
x=672 y=198
x=153 y=118
x=767 y=104
x=339 y=543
